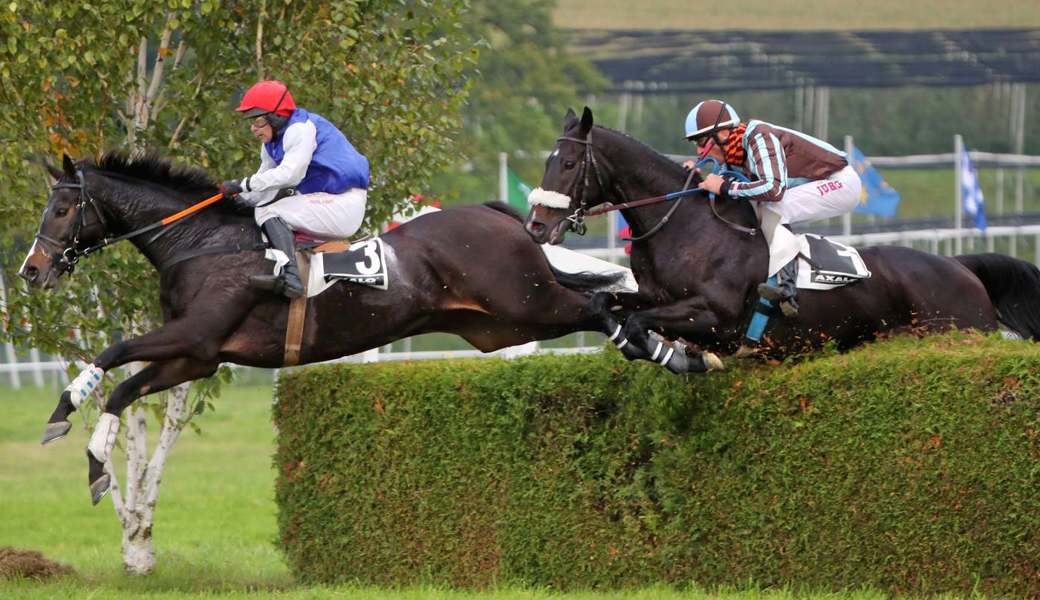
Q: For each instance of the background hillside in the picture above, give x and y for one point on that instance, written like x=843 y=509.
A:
x=802 y=15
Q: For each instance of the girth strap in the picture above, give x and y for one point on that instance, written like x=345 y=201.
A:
x=297 y=314
x=197 y=252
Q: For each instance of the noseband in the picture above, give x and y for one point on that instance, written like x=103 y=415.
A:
x=577 y=218
x=71 y=253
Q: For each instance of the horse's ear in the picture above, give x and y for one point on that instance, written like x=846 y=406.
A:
x=586 y=120
x=44 y=162
x=68 y=166
x=55 y=172
x=569 y=119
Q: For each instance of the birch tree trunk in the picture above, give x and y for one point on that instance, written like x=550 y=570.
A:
x=135 y=505
x=135 y=502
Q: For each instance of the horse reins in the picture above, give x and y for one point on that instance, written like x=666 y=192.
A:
x=71 y=255
x=577 y=218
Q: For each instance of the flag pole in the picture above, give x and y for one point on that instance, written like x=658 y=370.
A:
x=846 y=220
x=503 y=177
x=958 y=191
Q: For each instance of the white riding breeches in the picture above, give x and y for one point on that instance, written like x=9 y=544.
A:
x=319 y=215
x=823 y=199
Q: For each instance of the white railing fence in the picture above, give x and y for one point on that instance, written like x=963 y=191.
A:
x=1022 y=241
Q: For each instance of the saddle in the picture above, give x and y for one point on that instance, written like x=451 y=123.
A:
x=823 y=264
x=321 y=265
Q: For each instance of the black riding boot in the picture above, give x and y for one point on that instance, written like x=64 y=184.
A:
x=786 y=289
x=288 y=282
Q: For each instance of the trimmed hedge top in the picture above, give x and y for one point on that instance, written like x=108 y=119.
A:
x=908 y=465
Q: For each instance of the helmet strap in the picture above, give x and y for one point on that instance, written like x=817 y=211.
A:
x=277 y=122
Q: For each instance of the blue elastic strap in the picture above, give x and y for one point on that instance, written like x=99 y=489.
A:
x=759 y=318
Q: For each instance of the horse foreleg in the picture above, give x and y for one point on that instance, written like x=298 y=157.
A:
x=75 y=393
x=195 y=339
x=156 y=377
x=690 y=316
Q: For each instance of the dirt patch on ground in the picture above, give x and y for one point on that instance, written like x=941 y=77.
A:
x=30 y=564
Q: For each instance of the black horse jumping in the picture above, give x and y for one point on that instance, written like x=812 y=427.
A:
x=698 y=270
x=470 y=271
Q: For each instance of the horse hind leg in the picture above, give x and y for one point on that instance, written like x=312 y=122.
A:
x=601 y=305
x=78 y=390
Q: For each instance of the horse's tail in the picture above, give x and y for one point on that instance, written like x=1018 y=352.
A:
x=1013 y=286
x=585 y=282
x=505 y=209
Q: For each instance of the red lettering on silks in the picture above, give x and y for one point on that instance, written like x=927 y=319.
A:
x=829 y=186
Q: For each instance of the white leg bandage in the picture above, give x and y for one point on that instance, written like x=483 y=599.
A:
x=84 y=383
x=668 y=356
x=104 y=437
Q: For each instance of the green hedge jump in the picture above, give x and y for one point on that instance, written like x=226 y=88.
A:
x=908 y=466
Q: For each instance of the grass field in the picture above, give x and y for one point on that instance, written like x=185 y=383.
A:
x=215 y=526
x=801 y=15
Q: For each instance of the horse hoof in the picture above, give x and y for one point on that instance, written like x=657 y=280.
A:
x=55 y=431
x=99 y=488
x=745 y=352
x=712 y=362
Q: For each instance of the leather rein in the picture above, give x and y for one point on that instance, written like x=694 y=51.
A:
x=577 y=218
x=66 y=261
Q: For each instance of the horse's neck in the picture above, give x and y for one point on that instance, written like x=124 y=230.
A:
x=129 y=207
x=647 y=182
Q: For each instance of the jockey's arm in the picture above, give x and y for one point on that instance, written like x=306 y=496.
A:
x=300 y=141
x=769 y=164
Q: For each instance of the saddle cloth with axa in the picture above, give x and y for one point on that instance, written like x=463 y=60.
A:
x=822 y=265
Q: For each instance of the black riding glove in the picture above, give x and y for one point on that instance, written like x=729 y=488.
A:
x=230 y=188
x=724 y=190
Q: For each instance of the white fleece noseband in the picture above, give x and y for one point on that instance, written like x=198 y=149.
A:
x=540 y=197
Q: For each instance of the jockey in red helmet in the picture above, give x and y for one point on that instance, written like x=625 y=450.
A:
x=793 y=174
x=311 y=179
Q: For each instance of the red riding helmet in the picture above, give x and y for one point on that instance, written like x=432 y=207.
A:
x=265 y=98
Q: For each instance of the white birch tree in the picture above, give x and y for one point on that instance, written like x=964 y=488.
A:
x=80 y=78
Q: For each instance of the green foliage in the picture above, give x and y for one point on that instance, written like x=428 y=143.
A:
x=907 y=466
x=524 y=82
x=77 y=78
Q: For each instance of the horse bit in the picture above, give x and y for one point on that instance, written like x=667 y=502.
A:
x=66 y=261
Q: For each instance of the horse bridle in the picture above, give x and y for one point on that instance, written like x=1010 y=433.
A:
x=71 y=254
x=577 y=218
x=65 y=262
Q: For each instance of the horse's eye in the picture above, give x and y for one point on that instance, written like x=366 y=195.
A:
x=61 y=212
x=568 y=164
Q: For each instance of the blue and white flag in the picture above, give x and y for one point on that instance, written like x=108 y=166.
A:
x=971 y=193
x=876 y=197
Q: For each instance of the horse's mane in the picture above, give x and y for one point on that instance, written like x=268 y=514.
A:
x=154 y=169
x=664 y=161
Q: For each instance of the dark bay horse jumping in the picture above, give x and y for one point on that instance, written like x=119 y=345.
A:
x=697 y=273
x=470 y=271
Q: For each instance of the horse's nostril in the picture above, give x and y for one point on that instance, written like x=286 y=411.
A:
x=30 y=274
x=536 y=227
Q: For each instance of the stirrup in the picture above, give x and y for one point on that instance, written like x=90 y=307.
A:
x=267 y=283
x=275 y=284
x=771 y=292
